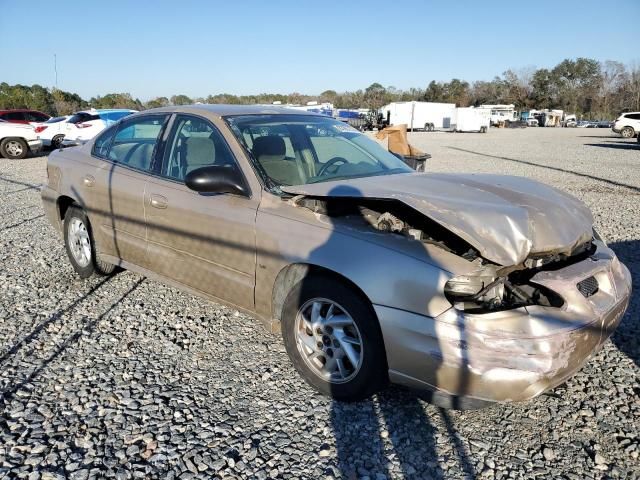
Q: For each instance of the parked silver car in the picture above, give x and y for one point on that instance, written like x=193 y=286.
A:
x=476 y=287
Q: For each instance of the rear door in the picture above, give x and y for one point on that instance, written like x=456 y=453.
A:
x=204 y=241
x=118 y=187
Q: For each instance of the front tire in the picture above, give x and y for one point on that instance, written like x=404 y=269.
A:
x=333 y=338
x=14 y=148
x=628 y=132
x=80 y=246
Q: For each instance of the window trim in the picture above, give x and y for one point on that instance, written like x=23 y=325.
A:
x=129 y=119
x=168 y=140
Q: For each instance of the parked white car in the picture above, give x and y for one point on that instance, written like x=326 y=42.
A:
x=17 y=140
x=532 y=122
x=627 y=124
x=52 y=131
x=84 y=125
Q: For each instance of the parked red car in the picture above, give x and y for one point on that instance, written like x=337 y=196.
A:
x=23 y=116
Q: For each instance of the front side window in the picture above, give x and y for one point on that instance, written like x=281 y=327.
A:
x=300 y=149
x=195 y=143
x=135 y=141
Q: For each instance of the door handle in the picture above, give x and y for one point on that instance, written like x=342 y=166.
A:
x=88 y=180
x=158 y=201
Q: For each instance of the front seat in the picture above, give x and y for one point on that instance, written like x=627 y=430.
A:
x=270 y=152
x=199 y=152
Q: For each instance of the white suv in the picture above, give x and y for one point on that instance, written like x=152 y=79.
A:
x=83 y=126
x=16 y=140
x=627 y=124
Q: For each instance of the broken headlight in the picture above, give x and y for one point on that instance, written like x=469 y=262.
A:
x=470 y=292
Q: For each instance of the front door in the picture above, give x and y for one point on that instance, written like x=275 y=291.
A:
x=204 y=241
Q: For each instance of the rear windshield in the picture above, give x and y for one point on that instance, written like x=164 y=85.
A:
x=83 y=117
x=55 y=119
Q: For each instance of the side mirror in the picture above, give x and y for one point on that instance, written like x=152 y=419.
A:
x=216 y=179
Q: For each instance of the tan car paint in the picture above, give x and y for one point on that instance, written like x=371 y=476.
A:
x=247 y=252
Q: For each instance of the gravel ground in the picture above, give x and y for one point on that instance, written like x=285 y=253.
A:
x=127 y=378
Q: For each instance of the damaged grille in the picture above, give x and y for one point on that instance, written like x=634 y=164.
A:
x=588 y=286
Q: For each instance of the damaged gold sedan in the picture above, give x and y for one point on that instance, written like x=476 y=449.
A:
x=476 y=288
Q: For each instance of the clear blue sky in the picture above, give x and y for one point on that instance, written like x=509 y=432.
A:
x=152 y=48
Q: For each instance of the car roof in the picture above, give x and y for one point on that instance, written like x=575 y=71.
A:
x=223 y=110
x=105 y=110
x=21 y=110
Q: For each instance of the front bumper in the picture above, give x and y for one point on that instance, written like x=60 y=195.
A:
x=511 y=355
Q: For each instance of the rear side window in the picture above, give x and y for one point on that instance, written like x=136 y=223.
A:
x=135 y=141
x=13 y=116
x=103 y=142
x=633 y=116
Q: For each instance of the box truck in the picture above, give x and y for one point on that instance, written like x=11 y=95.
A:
x=419 y=115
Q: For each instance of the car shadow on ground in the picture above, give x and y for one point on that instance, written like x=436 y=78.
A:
x=627 y=336
x=84 y=329
x=599 y=136
x=627 y=146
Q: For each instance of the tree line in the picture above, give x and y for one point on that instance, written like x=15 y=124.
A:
x=584 y=86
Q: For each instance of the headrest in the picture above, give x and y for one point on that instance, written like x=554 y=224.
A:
x=200 y=152
x=270 y=145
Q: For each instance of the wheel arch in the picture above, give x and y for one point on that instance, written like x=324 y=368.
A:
x=293 y=273
x=63 y=202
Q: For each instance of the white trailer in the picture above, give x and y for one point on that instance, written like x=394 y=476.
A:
x=469 y=119
x=419 y=115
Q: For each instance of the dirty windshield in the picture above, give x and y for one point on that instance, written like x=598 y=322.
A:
x=300 y=149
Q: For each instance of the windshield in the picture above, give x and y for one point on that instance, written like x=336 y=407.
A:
x=300 y=149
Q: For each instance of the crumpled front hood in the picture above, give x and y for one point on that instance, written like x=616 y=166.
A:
x=506 y=218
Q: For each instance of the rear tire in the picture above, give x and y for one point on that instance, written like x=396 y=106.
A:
x=56 y=142
x=14 y=148
x=628 y=132
x=323 y=344
x=80 y=246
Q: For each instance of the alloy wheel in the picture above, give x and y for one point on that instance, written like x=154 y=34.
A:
x=79 y=242
x=14 y=148
x=329 y=340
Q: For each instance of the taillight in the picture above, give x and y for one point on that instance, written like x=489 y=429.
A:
x=82 y=125
x=41 y=128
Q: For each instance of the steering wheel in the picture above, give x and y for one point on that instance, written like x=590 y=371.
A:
x=332 y=162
